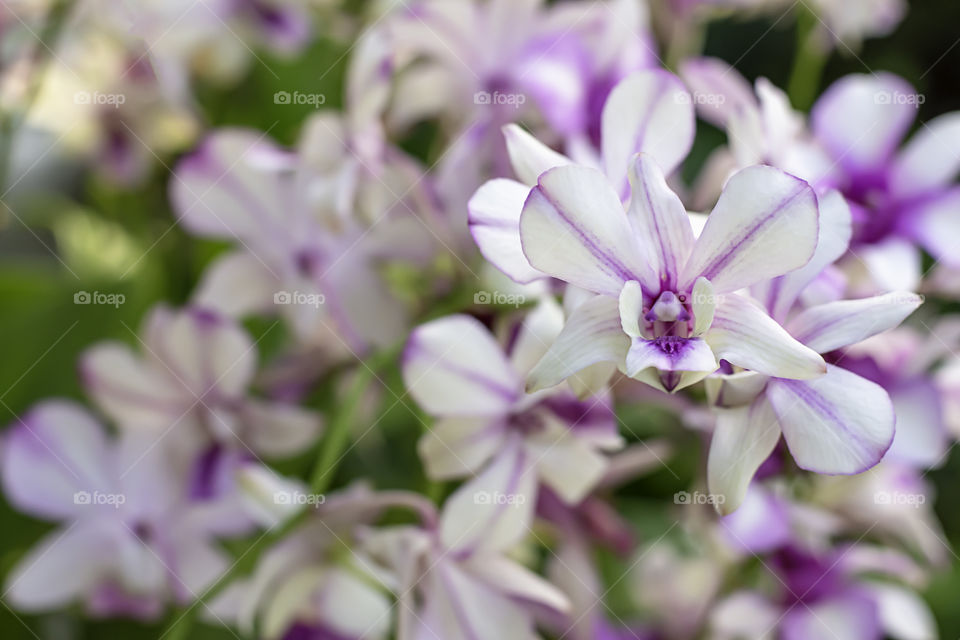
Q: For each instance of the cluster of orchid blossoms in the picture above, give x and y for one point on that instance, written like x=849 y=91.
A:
x=547 y=284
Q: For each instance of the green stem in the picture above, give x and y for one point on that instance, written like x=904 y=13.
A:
x=808 y=62
x=331 y=452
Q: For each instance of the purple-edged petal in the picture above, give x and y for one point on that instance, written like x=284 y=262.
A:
x=861 y=119
x=494 y=510
x=931 y=160
x=131 y=392
x=592 y=334
x=574 y=228
x=650 y=112
x=764 y=225
x=453 y=366
x=744 y=335
x=921 y=438
x=55 y=451
x=494 y=218
x=838 y=423
x=720 y=89
x=660 y=221
x=232 y=187
x=743 y=438
x=780 y=293
x=528 y=156
x=935 y=224
x=839 y=324
x=671 y=354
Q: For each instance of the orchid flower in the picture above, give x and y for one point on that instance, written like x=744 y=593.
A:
x=458 y=373
x=665 y=312
x=650 y=111
x=900 y=199
x=454 y=579
x=130 y=541
x=839 y=423
x=192 y=378
x=312 y=583
x=297 y=255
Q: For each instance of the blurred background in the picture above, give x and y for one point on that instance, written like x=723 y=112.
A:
x=83 y=213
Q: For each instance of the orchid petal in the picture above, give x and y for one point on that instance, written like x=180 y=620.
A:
x=232 y=186
x=764 y=225
x=574 y=228
x=723 y=89
x=237 y=284
x=631 y=308
x=861 y=121
x=845 y=322
x=660 y=221
x=649 y=111
x=744 y=335
x=56 y=451
x=453 y=366
x=930 y=160
x=780 y=293
x=62 y=568
x=459 y=446
x=851 y=616
x=838 y=423
x=528 y=156
x=275 y=429
x=515 y=580
x=538 y=331
x=592 y=334
x=494 y=218
x=743 y=438
x=494 y=510
x=936 y=225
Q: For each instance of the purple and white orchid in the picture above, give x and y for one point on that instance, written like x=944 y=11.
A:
x=458 y=373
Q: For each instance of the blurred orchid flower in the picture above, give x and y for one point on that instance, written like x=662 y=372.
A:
x=313 y=583
x=451 y=576
x=900 y=199
x=510 y=61
x=458 y=373
x=839 y=423
x=298 y=255
x=131 y=541
x=193 y=376
x=854 y=591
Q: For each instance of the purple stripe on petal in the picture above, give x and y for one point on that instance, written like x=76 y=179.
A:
x=611 y=263
x=720 y=261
